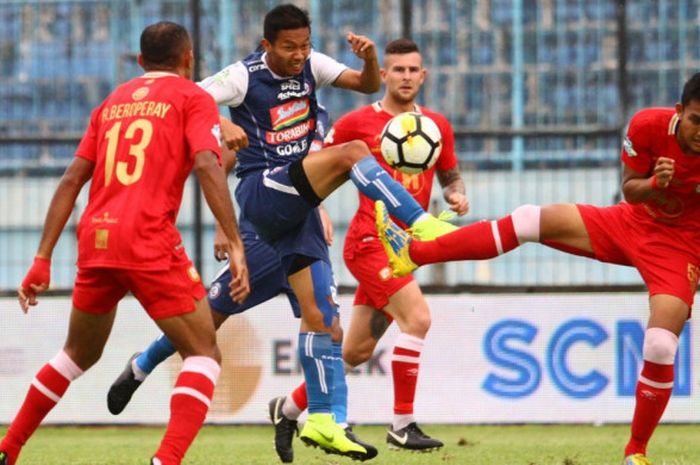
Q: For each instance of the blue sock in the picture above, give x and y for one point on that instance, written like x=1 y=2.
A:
x=373 y=181
x=159 y=350
x=315 y=354
x=340 y=387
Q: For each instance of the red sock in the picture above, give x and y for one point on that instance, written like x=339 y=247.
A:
x=189 y=404
x=405 y=361
x=47 y=388
x=653 y=392
x=300 y=397
x=474 y=242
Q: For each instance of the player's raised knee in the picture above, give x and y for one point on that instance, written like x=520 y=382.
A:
x=355 y=151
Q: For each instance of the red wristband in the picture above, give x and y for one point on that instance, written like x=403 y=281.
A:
x=39 y=273
x=654 y=184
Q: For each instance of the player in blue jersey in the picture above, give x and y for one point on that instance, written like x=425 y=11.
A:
x=271 y=95
x=272 y=99
x=267 y=281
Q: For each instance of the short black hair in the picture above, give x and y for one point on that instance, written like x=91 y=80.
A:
x=691 y=90
x=162 y=44
x=401 y=47
x=284 y=17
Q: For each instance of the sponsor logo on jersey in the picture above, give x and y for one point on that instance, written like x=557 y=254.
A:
x=140 y=93
x=292 y=84
x=293 y=148
x=220 y=77
x=289 y=114
x=193 y=275
x=627 y=146
x=293 y=89
x=413 y=183
x=290 y=134
x=254 y=68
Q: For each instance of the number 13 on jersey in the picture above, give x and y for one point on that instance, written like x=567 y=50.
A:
x=138 y=135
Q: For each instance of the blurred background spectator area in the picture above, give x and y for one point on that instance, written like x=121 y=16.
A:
x=539 y=92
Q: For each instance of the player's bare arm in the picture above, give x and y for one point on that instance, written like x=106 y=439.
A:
x=453 y=190
x=637 y=187
x=234 y=136
x=216 y=192
x=220 y=242
x=38 y=277
x=366 y=81
x=327 y=225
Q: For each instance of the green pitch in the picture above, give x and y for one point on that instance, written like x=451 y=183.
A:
x=465 y=445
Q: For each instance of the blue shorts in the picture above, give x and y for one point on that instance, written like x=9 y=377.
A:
x=283 y=217
x=267 y=278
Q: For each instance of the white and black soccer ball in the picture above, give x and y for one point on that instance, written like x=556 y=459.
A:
x=411 y=142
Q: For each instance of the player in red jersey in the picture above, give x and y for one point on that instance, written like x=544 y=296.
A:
x=140 y=146
x=656 y=229
x=381 y=298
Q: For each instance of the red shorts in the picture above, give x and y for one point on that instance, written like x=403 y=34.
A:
x=369 y=264
x=666 y=257
x=163 y=293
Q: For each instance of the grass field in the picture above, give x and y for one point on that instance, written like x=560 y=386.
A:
x=465 y=445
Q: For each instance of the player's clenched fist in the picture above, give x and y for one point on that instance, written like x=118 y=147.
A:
x=233 y=135
x=35 y=282
x=663 y=172
x=362 y=46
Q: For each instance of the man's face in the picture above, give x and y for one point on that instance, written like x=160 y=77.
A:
x=287 y=55
x=689 y=127
x=403 y=75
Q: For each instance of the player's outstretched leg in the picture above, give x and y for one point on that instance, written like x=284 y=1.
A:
x=285 y=429
x=123 y=388
x=411 y=438
x=376 y=183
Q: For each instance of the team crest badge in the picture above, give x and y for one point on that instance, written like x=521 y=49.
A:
x=215 y=291
x=140 y=93
x=385 y=274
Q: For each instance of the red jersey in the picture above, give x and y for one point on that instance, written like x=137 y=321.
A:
x=366 y=124
x=652 y=134
x=142 y=139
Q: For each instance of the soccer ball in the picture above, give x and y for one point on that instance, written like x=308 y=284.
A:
x=411 y=142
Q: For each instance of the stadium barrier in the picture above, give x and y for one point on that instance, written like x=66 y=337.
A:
x=544 y=358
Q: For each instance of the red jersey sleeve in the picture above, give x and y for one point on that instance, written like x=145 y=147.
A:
x=637 y=152
x=448 y=157
x=202 y=125
x=88 y=144
x=341 y=132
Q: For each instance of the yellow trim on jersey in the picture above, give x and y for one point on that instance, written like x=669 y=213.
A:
x=378 y=107
x=158 y=74
x=673 y=124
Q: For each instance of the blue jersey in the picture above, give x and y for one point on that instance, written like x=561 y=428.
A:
x=279 y=114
